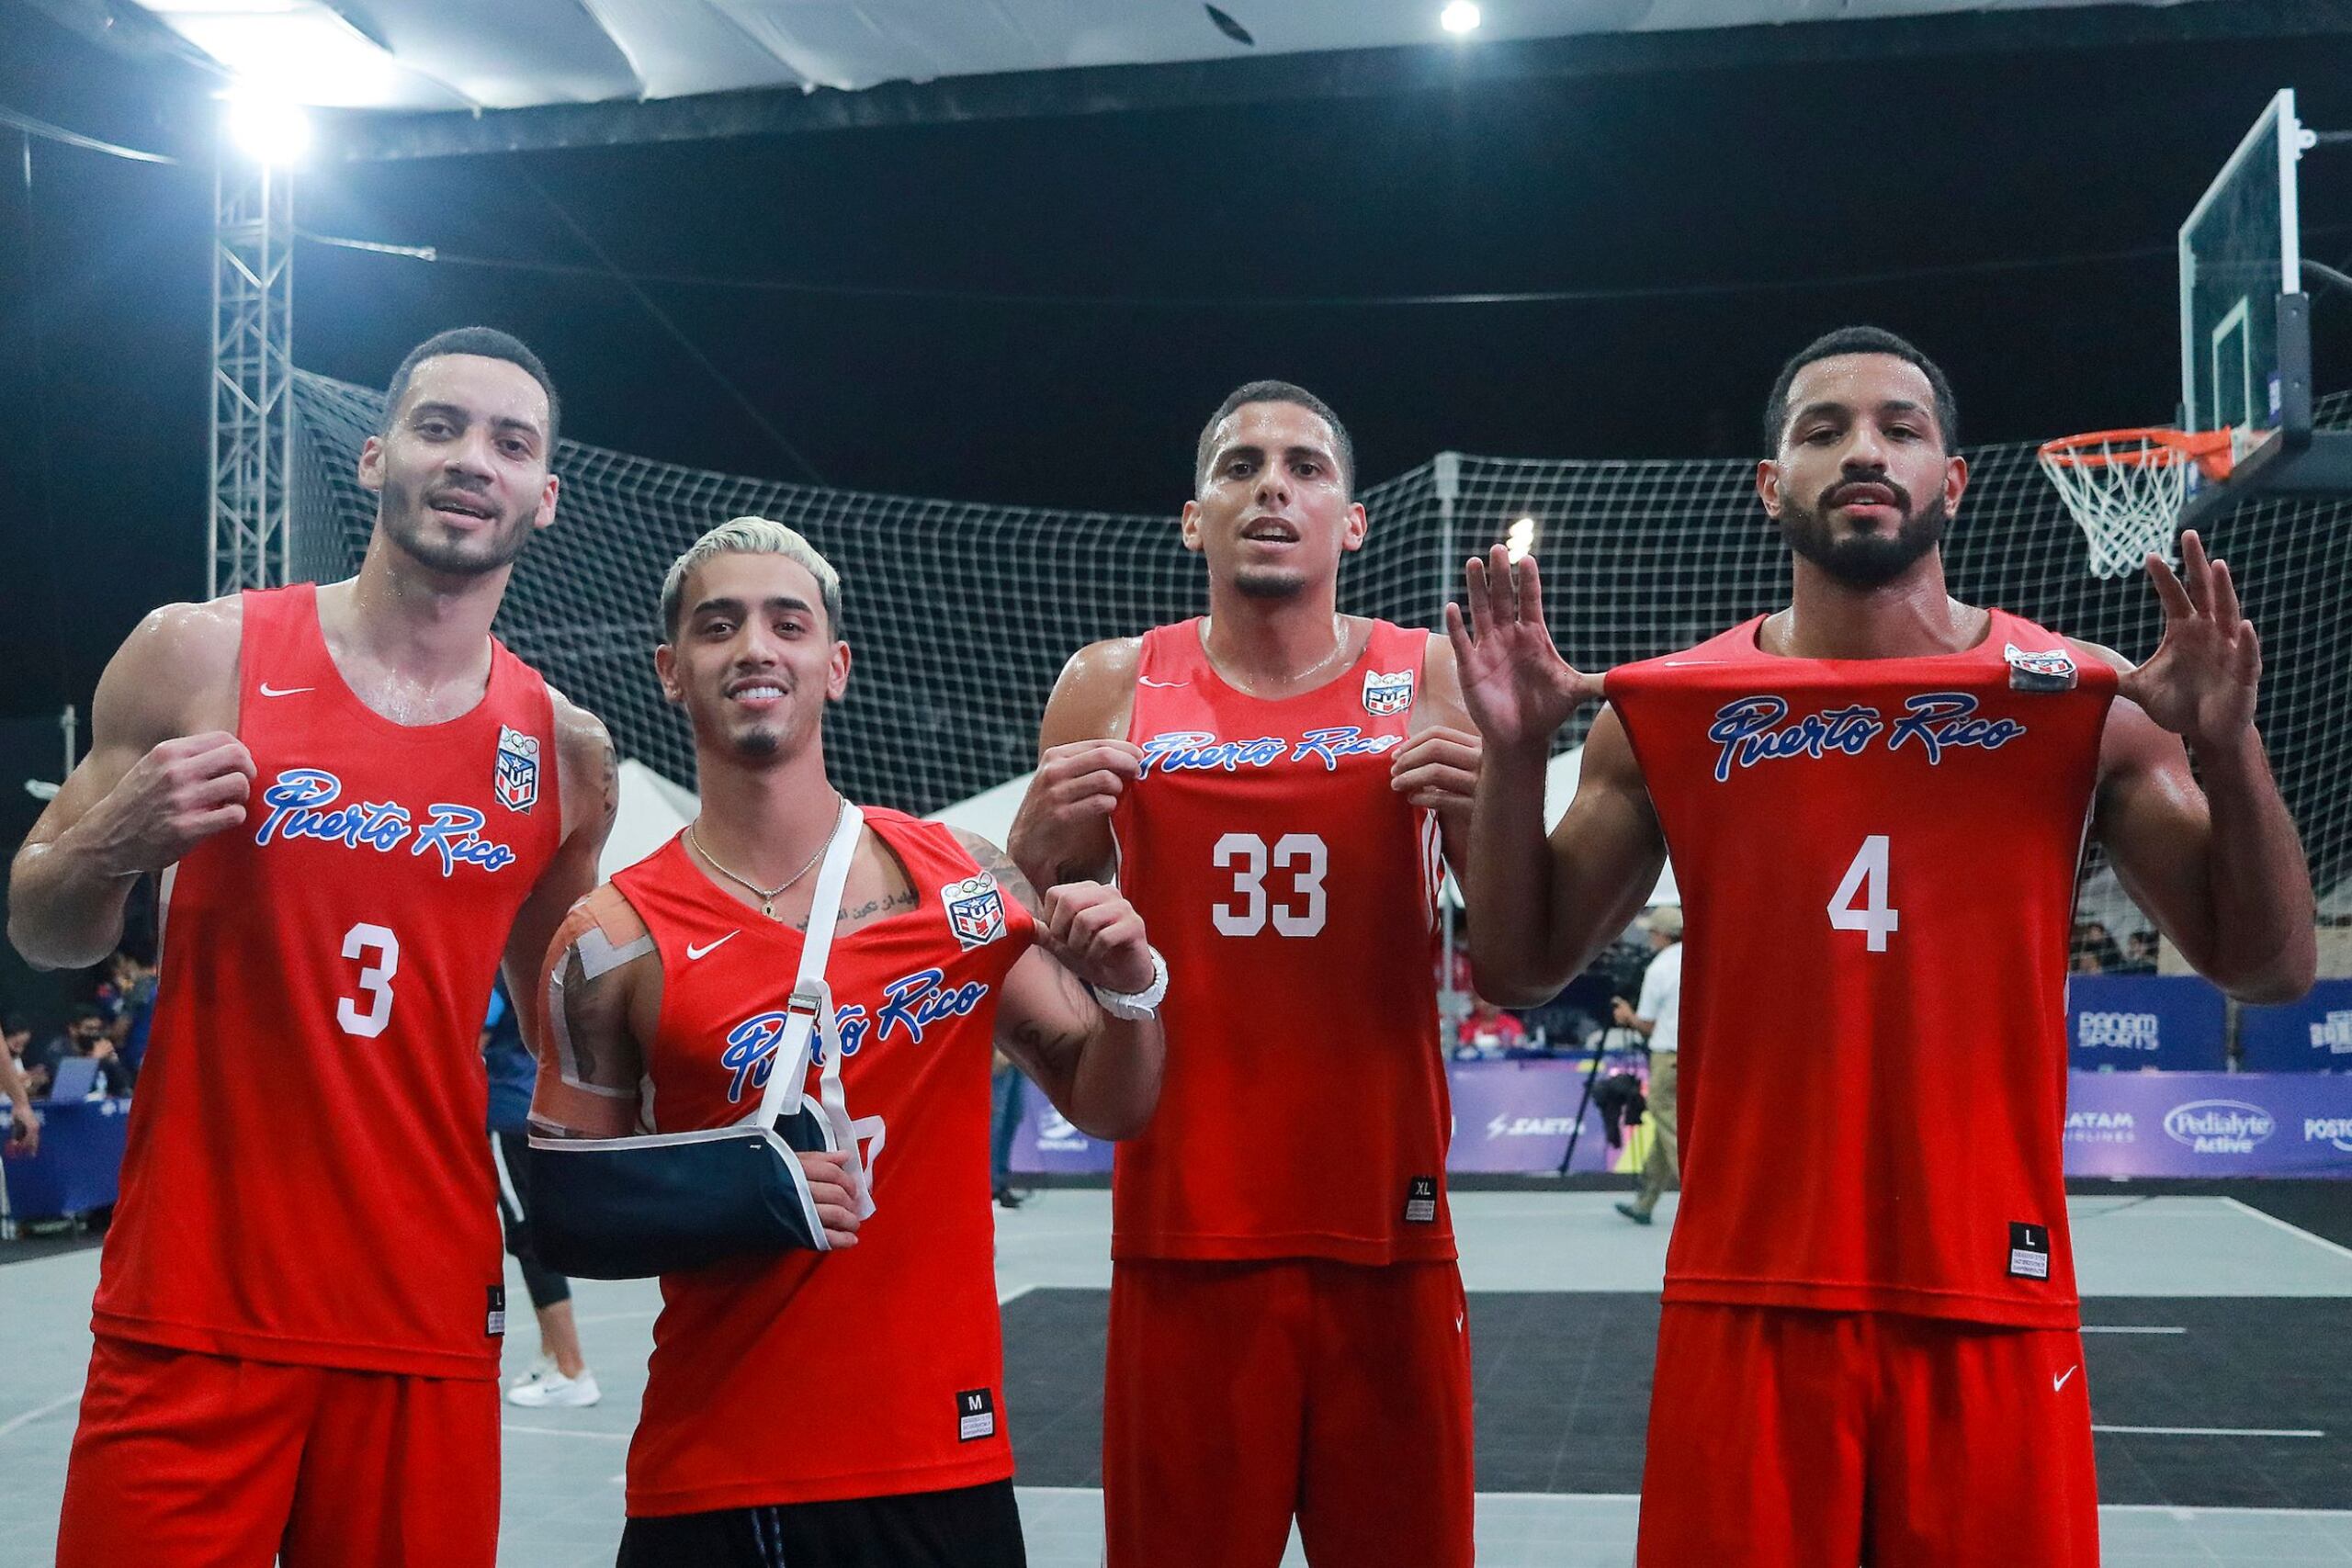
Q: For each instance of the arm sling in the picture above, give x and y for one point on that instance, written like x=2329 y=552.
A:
x=660 y=1202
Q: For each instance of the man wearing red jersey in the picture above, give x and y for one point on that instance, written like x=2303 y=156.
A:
x=357 y=801
x=664 y=998
x=1876 y=799
x=1287 y=1334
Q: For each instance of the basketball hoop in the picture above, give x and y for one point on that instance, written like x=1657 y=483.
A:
x=2127 y=487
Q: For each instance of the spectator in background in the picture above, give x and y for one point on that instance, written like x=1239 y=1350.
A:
x=24 y=1127
x=128 y=997
x=2095 y=952
x=85 y=1035
x=2139 y=954
x=1654 y=1020
x=1488 y=1033
x=559 y=1378
x=1004 y=1120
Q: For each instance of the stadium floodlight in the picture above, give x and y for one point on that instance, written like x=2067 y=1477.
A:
x=1459 y=17
x=1519 y=540
x=268 y=127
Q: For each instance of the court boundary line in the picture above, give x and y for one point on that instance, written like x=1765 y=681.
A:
x=17 y=1423
x=2295 y=1230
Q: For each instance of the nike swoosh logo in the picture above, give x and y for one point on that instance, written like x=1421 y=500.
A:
x=269 y=691
x=2061 y=1381
x=1163 y=685
x=694 y=952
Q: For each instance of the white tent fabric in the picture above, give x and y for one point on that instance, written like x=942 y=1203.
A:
x=435 y=54
x=652 y=809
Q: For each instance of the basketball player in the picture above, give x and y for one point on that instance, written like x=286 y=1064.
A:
x=838 y=1409
x=1287 y=1332
x=357 y=801
x=1876 y=799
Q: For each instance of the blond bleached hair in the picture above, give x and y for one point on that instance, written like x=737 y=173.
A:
x=751 y=536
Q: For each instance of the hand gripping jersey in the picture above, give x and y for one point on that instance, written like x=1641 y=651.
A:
x=1877 y=859
x=886 y=1356
x=1302 y=1110
x=307 y=1179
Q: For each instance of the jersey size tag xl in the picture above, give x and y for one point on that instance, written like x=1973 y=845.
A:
x=975 y=1414
x=2028 y=1251
x=1420 y=1200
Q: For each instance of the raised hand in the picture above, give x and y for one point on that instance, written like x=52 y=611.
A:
x=180 y=794
x=2201 y=682
x=1517 y=688
x=1097 y=935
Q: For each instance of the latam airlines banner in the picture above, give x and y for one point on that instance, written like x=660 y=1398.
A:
x=1515 y=1117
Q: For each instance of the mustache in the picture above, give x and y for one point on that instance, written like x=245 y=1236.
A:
x=1835 y=495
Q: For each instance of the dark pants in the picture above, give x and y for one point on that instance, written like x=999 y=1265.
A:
x=1004 y=1120
x=510 y=1150
x=973 y=1527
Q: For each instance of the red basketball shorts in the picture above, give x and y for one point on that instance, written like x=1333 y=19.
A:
x=1241 y=1395
x=189 y=1461
x=1782 y=1437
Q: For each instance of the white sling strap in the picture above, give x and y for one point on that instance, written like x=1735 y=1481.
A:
x=810 y=1011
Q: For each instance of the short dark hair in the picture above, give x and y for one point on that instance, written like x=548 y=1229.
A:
x=87 y=1012
x=488 y=343
x=1859 y=340
x=1277 y=392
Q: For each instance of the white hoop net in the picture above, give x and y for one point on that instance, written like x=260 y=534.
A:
x=2127 y=490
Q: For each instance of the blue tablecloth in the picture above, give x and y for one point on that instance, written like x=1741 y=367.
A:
x=80 y=1163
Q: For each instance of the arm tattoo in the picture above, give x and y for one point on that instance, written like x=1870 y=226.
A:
x=576 y=1015
x=902 y=900
x=611 y=760
x=1008 y=877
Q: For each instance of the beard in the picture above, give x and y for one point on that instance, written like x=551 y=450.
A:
x=1864 y=560
x=437 y=549
x=1270 y=582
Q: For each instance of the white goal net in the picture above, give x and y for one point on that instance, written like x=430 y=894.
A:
x=961 y=614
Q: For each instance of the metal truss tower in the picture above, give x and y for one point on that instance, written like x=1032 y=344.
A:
x=252 y=372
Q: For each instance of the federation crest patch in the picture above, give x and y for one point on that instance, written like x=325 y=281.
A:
x=517 y=780
x=1387 y=694
x=2051 y=671
x=975 y=910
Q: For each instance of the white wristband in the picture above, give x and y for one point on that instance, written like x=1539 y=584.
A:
x=1135 y=1006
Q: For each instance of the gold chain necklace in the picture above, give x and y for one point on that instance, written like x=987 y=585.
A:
x=767 y=895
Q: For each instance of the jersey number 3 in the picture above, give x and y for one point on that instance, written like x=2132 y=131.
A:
x=1859 y=904
x=1249 y=858
x=367 y=1015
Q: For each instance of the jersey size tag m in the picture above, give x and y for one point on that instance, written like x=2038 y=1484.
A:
x=975 y=1414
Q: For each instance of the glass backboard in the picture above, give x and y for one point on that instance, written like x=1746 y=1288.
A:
x=2238 y=256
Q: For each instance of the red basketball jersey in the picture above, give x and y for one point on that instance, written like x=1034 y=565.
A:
x=1877 y=860
x=1303 y=1113
x=307 y=1179
x=876 y=1369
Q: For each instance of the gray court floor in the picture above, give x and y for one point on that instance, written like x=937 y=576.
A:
x=563 y=1469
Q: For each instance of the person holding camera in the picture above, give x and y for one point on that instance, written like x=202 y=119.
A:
x=1653 y=1020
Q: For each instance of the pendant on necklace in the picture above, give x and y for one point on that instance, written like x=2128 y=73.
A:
x=769 y=911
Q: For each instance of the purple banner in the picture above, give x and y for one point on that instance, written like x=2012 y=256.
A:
x=2209 y=1124
x=2313 y=1035
x=1047 y=1142
x=1515 y=1116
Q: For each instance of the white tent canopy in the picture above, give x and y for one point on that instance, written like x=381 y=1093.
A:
x=437 y=55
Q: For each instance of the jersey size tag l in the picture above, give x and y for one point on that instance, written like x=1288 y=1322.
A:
x=975 y=1414
x=2028 y=1251
x=494 y=1320
x=1420 y=1200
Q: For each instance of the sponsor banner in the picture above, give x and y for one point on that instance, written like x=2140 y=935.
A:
x=2313 y=1035
x=1508 y=1116
x=2209 y=1124
x=2170 y=1022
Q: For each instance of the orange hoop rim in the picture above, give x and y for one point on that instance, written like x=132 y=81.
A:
x=2141 y=446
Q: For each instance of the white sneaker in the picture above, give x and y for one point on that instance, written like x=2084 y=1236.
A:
x=556 y=1391
x=542 y=1368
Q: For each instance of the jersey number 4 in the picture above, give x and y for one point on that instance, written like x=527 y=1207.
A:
x=1859 y=904
x=366 y=1014
x=1250 y=859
